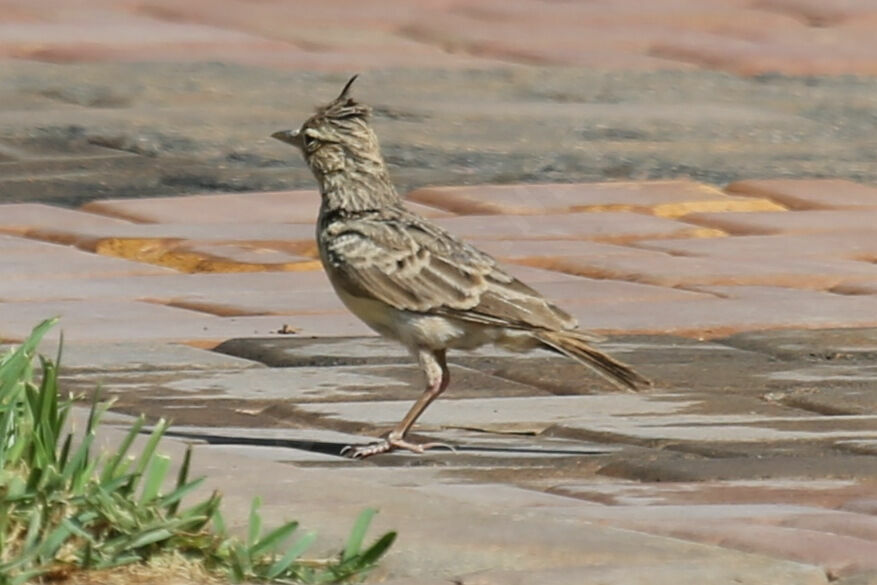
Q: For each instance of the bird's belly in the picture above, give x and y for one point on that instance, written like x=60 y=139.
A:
x=418 y=330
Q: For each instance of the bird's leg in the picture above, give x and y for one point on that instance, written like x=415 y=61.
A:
x=438 y=377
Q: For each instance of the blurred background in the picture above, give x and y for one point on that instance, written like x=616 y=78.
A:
x=131 y=98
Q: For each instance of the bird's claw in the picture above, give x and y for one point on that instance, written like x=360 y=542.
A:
x=389 y=444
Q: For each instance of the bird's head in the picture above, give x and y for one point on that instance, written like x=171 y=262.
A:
x=343 y=153
x=337 y=131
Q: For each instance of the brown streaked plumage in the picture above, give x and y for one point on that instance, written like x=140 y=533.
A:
x=411 y=280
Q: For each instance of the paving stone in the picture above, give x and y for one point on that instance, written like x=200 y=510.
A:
x=319 y=384
x=680 y=271
x=429 y=520
x=228 y=257
x=661 y=574
x=825 y=493
x=22 y=218
x=809 y=193
x=610 y=226
x=89 y=238
x=284 y=352
x=55 y=264
x=237 y=292
x=797 y=222
x=80 y=358
x=822 y=345
x=653 y=417
x=794 y=54
x=19 y=244
x=819 y=395
x=531 y=251
x=752 y=529
x=859 y=245
x=751 y=308
x=532 y=274
x=592 y=290
x=87 y=321
x=501 y=415
x=664 y=468
x=662 y=198
x=225 y=208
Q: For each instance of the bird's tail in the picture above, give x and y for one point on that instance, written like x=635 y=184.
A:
x=575 y=346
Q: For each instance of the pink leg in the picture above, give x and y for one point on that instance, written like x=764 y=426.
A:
x=435 y=367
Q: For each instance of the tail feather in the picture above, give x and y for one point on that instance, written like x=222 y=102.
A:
x=576 y=347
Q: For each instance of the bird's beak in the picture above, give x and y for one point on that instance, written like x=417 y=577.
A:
x=292 y=137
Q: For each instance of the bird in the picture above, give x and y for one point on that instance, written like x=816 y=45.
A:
x=411 y=280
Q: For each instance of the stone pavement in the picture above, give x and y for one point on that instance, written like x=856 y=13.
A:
x=754 y=308
x=693 y=178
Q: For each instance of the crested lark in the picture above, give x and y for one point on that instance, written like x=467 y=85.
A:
x=412 y=281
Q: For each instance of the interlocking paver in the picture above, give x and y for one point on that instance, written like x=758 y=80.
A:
x=851 y=245
x=797 y=222
x=84 y=320
x=255 y=208
x=21 y=218
x=51 y=263
x=662 y=198
x=753 y=308
x=679 y=271
x=809 y=193
x=611 y=226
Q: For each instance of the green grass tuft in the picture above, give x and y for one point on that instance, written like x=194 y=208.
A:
x=63 y=509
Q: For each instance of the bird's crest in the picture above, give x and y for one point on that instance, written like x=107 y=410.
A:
x=343 y=106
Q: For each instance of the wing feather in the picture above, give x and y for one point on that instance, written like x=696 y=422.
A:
x=417 y=266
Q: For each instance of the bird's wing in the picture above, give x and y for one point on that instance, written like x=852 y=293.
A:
x=412 y=264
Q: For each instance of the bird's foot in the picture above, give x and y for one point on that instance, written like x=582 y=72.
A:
x=391 y=444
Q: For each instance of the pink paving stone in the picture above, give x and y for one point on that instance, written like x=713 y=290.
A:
x=604 y=35
x=58 y=263
x=793 y=222
x=855 y=288
x=608 y=226
x=681 y=271
x=533 y=252
x=849 y=524
x=269 y=207
x=810 y=193
x=531 y=274
x=840 y=555
x=88 y=237
x=264 y=254
x=592 y=291
x=21 y=218
x=91 y=321
x=278 y=288
x=825 y=493
x=664 y=198
x=241 y=32
x=753 y=308
x=849 y=245
x=818 y=13
x=799 y=54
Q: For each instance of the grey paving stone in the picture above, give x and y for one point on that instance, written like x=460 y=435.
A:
x=342 y=351
x=658 y=574
x=824 y=397
x=762 y=466
x=103 y=357
x=309 y=384
x=652 y=417
x=339 y=351
x=818 y=345
x=447 y=537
